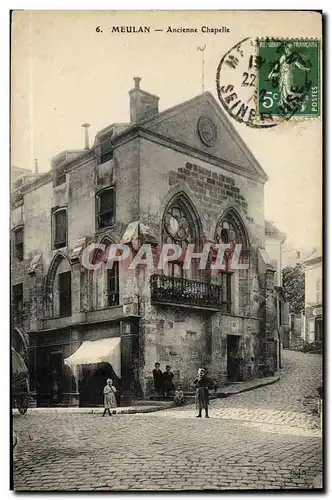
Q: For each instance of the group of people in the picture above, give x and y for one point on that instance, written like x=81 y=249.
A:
x=163 y=383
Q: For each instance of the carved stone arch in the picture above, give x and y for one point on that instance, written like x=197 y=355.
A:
x=103 y=283
x=231 y=228
x=181 y=225
x=111 y=236
x=181 y=221
x=50 y=278
x=104 y=240
x=107 y=239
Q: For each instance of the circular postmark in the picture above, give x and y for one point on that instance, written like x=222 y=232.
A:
x=207 y=131
x=264 y=82
x=237 y=83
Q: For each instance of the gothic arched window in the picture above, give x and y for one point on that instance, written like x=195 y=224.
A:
x=104 y=280
x=181 y=226
x=58 y=287
x=231 y=230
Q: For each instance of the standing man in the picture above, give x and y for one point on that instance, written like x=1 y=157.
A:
x=202 y=385
x=158 y=379
x=168 y=381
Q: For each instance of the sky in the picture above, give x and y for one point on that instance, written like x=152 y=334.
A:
x=65 y=73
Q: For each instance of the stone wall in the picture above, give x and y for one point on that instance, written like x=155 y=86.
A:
x=178 y=337
x=187 y=338
x=212 y=189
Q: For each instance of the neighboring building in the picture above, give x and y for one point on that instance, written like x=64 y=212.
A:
x=183 y=176
x=274 y=240
x=313 y=326
x=293 y=256
x=17 y=175
x=273 y=244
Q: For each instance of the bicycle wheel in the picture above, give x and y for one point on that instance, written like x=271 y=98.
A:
x=23 y=405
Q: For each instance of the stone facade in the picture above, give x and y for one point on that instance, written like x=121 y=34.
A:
x=313 y=324
x=189 y=155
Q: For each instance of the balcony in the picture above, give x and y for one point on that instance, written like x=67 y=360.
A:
x=168 y=290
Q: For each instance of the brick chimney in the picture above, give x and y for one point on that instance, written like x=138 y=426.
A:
x=142 y=104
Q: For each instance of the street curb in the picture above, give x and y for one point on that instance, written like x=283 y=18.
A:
x=130 y=410
x=232 y=392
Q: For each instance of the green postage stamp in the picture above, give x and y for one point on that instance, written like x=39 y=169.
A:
x=288 y=78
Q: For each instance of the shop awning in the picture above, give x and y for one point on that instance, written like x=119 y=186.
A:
x=91 y=352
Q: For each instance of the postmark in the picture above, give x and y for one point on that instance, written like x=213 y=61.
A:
x=236 y=81
x=288 y=78
x=263 y=82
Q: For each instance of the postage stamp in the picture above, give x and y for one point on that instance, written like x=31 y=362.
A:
x=288 y=78
x=263 y=82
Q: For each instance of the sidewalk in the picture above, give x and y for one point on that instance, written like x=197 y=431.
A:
x=237 y=387
x=152 y=406
x=143 y=407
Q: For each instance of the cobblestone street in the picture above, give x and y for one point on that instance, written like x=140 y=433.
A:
x=265 y=438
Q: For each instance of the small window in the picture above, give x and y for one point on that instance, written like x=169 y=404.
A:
x=59 y=178
x=113 y=285
x=65 y=293
x=17 y=292
x=225 y=281
x=19 y=243
x=106 y=152
x=106 y=208
x=60 y=228
x=106 y=156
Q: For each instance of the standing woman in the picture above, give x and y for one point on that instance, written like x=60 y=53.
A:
x=109 y=397
x=202 y=385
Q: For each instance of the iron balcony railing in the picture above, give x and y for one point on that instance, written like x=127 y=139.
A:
x=171 y=290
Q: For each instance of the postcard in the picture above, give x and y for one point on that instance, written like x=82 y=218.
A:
x=166 y=250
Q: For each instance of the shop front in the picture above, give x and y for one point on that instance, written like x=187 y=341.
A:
x=53 y=383
x=94 y=362
x=70 y=366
